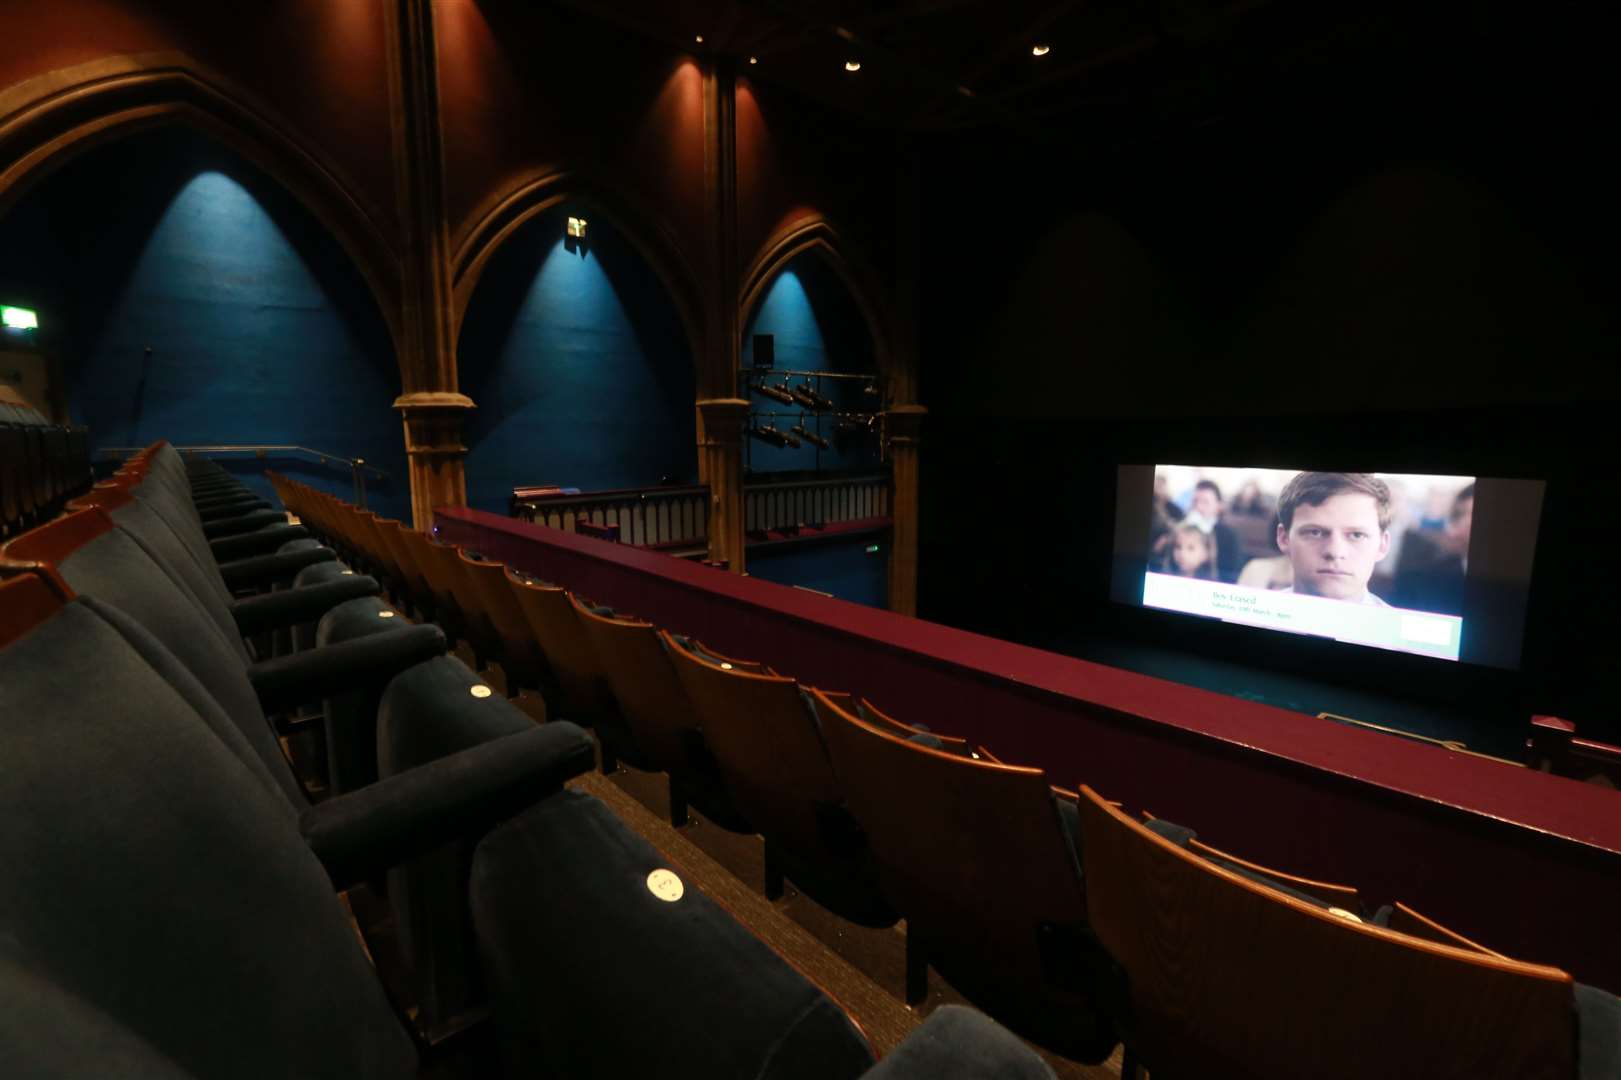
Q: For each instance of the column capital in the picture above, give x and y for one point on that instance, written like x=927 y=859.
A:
x=433 y=400
x=723 y=420
x=904 y=422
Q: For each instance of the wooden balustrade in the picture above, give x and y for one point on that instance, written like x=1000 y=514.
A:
x=677 y=518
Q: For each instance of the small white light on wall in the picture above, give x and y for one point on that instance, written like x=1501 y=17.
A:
x=576 y=227
x=1040 y=50
x=852 y=65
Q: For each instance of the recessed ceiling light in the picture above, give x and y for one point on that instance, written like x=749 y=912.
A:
x=1035 y=50
x=852 y=65
x=754 y=59
x=699 y=39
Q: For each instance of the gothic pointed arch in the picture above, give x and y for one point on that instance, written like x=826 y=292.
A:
x=505 y=213
x=816 y=234
x=49 y=120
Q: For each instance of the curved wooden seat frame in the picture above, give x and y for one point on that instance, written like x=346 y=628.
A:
x=1225 y=977
x=519 y=654
x=655 y=706
x=769 y=747
x=976 y=857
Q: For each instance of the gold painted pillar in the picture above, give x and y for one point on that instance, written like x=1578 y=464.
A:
x=720 y=449
x=434 y=451
x=902 y=424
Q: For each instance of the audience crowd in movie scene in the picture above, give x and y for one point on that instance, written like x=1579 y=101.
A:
x=1411 y=531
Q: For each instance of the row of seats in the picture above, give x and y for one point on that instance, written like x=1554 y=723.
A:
x=1056 y=912
x=173 y=904
x=42 y=464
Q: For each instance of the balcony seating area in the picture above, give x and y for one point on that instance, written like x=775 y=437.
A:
x=42 y=464
x=183 y=896
x=1056 y=912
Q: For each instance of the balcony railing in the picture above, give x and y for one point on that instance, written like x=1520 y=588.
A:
x=678 y=517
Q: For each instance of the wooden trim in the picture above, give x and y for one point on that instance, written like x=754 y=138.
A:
x=1405 y=920
x=56 y=540
x=1469 y=956
x=1334 y=891
x=26 y=601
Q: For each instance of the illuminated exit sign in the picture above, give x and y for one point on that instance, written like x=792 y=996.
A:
x=17 y=318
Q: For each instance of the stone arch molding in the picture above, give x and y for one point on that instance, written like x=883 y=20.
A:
x=501 y=216
x=817 y=234
x=48 y=120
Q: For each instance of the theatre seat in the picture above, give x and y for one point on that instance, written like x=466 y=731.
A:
x=979 y=860
x=578 y=688
x=1216 y=974
x=655 y=706
x=769 y=749
x=182 y=922
x=518 y=652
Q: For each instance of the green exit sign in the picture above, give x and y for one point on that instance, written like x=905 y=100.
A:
x=17 y=318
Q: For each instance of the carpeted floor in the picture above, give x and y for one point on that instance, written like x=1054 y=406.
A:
x=863 y=968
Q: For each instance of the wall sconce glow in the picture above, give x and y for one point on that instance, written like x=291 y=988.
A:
x=699 y=39
x=576 y=227
x=1040 y=50
x=754 y=59
x=17 y=318
x=852 y=65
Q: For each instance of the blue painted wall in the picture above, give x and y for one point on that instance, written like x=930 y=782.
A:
x=817 y=327
x=260 y=328
x=844 y=568
x=579 y=364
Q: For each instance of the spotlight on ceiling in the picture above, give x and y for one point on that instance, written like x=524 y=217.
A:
x=699 y=39
x=852 y=65
x=576 y=227
x=1035 y=50
x=754 y=59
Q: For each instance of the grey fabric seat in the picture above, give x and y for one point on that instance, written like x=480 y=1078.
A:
x=184 y=927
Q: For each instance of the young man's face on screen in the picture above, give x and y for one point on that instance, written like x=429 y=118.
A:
x=1335 y=546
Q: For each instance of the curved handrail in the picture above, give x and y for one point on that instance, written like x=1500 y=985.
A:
x=259 y=449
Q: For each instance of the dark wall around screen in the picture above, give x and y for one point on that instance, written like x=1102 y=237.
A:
x=1407 y=271
x=189 y=297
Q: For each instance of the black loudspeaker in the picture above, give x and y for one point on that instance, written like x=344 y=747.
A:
x=765 y=350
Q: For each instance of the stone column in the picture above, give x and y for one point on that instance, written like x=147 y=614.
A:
x=902 y=424
x=720 y=421
x=433 y=446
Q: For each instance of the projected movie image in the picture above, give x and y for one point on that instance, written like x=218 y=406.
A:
x=1376 y=559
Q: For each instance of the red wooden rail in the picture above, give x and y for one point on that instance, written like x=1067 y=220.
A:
x=1522 y=861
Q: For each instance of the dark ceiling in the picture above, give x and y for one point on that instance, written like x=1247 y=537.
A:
x=945 y=65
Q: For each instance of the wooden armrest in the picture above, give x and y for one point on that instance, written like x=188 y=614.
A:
x=1326 y=891
x=1405 y=920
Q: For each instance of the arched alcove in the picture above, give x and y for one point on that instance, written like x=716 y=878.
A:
x=185 y=294
x=815 y=325
x=579 y=361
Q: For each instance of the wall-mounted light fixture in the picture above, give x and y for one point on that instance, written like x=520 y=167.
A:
x=17 y=318
x=576 y=227
x=754 y=59
x=852 y=65
x=1040 y=50
x=699 y=39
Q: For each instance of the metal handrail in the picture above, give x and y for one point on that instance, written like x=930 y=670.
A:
x=358 y=468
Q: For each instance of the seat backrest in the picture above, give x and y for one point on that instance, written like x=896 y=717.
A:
x=1227 y=977
x=644 y=684
x=581 y=678
x=493 y=586
x=95 y=558
x=974 y=855
x=766 y=741
x=163 y=543
x=11 y=461
x=149 y=874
